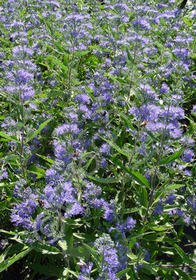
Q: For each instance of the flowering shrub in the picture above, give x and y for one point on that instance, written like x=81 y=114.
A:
x=97 y=138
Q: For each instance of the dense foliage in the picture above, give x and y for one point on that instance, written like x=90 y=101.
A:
x=97 y=137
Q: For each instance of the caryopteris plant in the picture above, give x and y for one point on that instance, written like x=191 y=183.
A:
x=97 y=138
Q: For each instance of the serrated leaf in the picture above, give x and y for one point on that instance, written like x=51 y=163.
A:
x=172 y=157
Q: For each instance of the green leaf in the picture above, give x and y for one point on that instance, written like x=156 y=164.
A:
x=48 y=270
x=63 y=245
x=43 y=64
x=172 y=157
x=187 y=22
x=104 y=180
x=174 y=186
x=81 y=53
x=144 y=197
x=93 y=253
x=62 y=66
x=136 y=175
x=45 y=248
x=161 y=227
x=152 y=136
x=129 y=56
x=127 y=120
x=9 y=138
x=89 y=162
x=139 y=178
x=45 y=21
x=10 y=158
x=150 y=75
x=132 y=210
x=80 y=252
x=161 y=192
x=132 y=256
x=121 y=273
x=32 y=135
x=118 y=149
x=118 y=80
x=55 y=93
x=8 y=232
x=183 y=274
x=163 y=21
x=149 y=268
x=38 y=171
x=67 y=271
x=182 y=254
x=10 y=260
x=45 y=158
x=69 y=238
x=134 y=238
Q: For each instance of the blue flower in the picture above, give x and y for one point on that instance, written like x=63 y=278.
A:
x=159 y=208
x=105 y=149
x=170 y=199
x=188 y=155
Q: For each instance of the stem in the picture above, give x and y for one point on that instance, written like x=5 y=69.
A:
x=22 y=140
x=153 y=186
x=167 y=265
x=155 y=172
x=60 y=220
x=132 y=72
x=70 y=64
